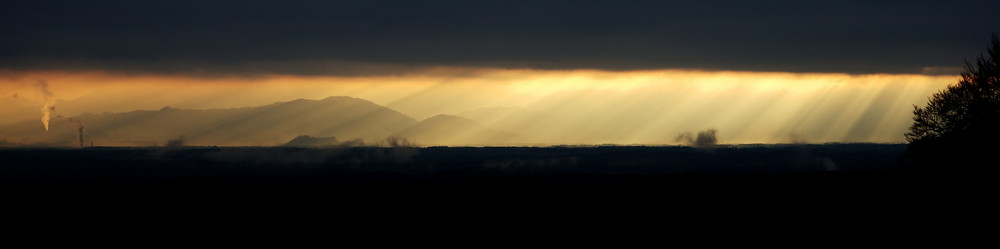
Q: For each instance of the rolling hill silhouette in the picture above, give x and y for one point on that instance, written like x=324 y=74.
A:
x=18 y=108
x=275 y=124
x=310 y=141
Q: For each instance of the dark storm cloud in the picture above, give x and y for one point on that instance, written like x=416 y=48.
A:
x=328 y=37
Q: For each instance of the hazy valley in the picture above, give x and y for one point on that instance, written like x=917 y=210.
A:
x=342 y=118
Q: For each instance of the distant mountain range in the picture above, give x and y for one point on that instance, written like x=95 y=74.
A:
x=297 y=122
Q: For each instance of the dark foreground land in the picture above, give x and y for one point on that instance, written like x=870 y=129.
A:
x=377 y=165
x=577 y=170
x=746 y=181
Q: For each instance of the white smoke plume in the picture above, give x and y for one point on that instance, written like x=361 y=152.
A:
x=49 y=106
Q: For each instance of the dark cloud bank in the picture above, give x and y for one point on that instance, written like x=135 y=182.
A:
x=374 y=37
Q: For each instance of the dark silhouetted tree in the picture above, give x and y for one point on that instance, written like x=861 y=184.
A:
x=963 y=117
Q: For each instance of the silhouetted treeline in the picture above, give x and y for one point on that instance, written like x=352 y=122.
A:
x=168 y=162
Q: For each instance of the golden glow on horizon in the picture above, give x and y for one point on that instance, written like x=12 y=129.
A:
x=576 y=106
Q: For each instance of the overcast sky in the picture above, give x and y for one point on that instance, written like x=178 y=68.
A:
x=377 y=37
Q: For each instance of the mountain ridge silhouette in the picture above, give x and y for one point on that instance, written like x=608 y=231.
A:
x=265 y=125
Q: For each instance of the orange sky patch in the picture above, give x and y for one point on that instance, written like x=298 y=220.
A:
x=746 y=107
